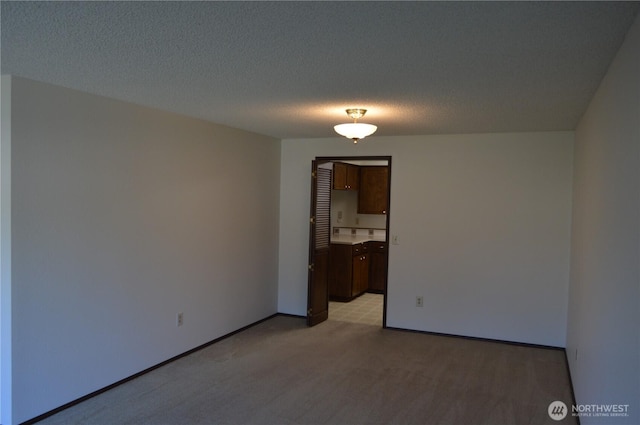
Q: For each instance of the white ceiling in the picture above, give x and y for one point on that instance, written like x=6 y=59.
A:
x=289 y=69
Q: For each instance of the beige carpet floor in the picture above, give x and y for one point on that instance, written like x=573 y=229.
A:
x=281 y=372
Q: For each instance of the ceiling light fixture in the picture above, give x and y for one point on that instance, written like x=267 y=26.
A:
x=355 y=130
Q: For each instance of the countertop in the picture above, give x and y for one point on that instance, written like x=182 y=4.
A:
x=355 y=239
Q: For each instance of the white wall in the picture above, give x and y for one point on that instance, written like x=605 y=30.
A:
x=483 y=223
x=124 y=216
x=5 y=248
x=604 y=300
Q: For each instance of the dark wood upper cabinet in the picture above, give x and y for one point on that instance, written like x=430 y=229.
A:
x=345 y=176
x=374 y=188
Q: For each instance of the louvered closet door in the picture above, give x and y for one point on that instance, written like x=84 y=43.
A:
x=319 y=237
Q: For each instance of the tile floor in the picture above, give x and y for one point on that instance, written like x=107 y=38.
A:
x=366 y=309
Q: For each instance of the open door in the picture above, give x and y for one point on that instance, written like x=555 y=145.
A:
x=319 y=244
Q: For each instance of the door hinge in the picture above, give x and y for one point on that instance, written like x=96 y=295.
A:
x=314 y=174
x=309 y=312
x=312 y=220
x=311 y=267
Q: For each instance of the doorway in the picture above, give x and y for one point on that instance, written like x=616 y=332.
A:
x=349 y=239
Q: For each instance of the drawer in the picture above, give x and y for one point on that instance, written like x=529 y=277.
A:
x=377 y=246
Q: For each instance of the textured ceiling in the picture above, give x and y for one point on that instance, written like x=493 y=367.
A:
x=289 y=69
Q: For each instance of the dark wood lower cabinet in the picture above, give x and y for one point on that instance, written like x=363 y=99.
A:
x=340 y=272
x=349 y=271
x=356 y=269
x=360 y=281
x=378 y=266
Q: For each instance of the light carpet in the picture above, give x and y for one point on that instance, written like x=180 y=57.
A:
x=281 y=372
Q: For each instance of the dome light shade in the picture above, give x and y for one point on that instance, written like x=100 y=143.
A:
x=355 y=130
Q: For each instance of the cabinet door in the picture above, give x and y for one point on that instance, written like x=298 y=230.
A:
x=378 y=266
x=340 y=274
x=339 y=176
x=364 y=274
x=353 y=177
x=345 y=176
x=374 y=188
x=360 y=275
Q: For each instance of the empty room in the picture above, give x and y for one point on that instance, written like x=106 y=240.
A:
x=320 y=212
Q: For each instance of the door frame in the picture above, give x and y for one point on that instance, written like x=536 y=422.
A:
x=324 y=159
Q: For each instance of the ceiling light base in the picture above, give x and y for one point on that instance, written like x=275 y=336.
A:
x=356 y=113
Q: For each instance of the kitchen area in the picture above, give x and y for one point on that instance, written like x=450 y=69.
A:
x=359 y=247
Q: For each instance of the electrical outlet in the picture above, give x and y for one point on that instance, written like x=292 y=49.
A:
x=419 y=301
x=179 y=319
